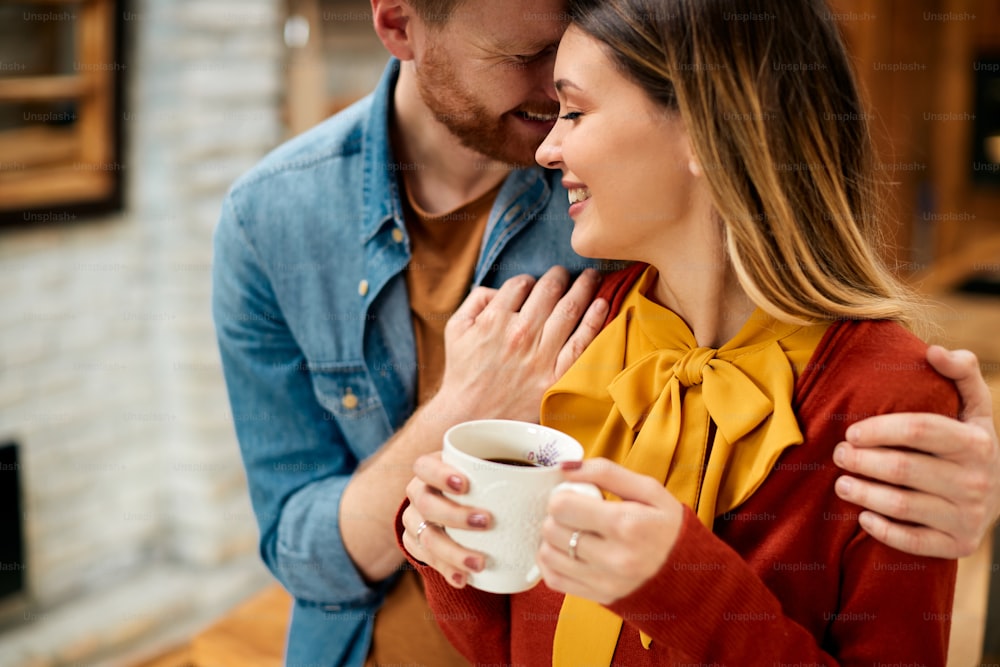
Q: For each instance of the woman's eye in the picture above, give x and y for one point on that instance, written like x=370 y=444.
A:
x=571 y=115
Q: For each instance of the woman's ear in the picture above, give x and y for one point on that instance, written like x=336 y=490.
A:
x=394 y=22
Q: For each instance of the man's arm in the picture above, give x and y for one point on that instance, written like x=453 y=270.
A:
x=949 y=486
x=504 y=348
x=296 y=459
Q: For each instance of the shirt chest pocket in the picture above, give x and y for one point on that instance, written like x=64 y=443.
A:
x=347 y=393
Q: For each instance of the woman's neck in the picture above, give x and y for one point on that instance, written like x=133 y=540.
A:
x=696 y=280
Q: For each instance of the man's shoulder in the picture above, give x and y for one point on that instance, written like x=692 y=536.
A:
x=334 y=140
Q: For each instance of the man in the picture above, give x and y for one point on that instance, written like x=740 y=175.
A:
x=338 y=261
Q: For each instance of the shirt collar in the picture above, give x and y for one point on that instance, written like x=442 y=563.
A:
x=378 y=162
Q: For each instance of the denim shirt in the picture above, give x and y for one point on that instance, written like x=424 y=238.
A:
x=314 y=327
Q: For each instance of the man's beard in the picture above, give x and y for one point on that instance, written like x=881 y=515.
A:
x=469 y=120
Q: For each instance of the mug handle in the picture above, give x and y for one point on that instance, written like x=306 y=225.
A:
x=583 y=488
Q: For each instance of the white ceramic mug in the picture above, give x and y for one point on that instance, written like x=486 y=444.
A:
x=516 y=495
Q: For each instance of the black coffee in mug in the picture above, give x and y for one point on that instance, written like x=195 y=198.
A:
x=514 y=462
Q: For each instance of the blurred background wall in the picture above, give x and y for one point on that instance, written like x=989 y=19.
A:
x=135 y=517
x=123 y=122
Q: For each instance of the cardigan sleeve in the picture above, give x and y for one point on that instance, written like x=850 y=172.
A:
x=710 y=605
x=475 y=622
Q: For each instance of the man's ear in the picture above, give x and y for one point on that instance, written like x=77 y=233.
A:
x=393 y=21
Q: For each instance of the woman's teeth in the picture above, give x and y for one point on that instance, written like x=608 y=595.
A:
x=578 y=195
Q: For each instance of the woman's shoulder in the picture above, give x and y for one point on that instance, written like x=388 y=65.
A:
x=877 y=364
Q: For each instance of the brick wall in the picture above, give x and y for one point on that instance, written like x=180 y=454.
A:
x=109 y=375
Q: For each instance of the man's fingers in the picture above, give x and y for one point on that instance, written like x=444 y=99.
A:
x=910 y=521
x=898 y=504
x=909 y=469
x=918 y=540
x=930 y=433
x=963 y=367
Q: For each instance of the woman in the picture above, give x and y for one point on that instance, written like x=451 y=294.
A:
x=724 y=150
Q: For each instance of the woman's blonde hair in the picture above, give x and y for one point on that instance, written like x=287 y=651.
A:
x=775 y=118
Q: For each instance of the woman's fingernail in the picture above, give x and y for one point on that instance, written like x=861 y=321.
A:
x=458 y=578
x=472 y=563
x=478 y=520
x=571 y=465
x=454 y=483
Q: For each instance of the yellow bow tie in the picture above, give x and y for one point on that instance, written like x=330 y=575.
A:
x=710 y=424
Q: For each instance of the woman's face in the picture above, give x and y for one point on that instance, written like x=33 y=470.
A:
x=626 y=161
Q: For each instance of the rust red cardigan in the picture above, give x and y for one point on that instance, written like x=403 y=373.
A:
x=789 y=578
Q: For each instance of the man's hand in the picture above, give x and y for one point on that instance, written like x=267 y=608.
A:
x=951 y=483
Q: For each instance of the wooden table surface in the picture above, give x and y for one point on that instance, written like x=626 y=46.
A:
x=252 y=635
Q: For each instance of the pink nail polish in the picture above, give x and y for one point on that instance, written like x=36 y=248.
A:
x=454 y=483
x=571 y=465
x=458 y=578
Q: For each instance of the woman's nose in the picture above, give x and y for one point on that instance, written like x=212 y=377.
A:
x=549 y=154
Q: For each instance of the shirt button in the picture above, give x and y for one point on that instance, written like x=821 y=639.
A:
x=363 y=287
x=397 y=234
x=349 y=401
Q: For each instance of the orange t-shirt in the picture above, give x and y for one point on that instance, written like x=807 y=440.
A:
x=444 y=249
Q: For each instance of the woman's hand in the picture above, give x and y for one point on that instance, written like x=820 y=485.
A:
x=506 y=346
x=620 y=545
x=429 y=512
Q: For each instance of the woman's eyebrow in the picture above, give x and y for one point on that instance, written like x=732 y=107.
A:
x=562 y=84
